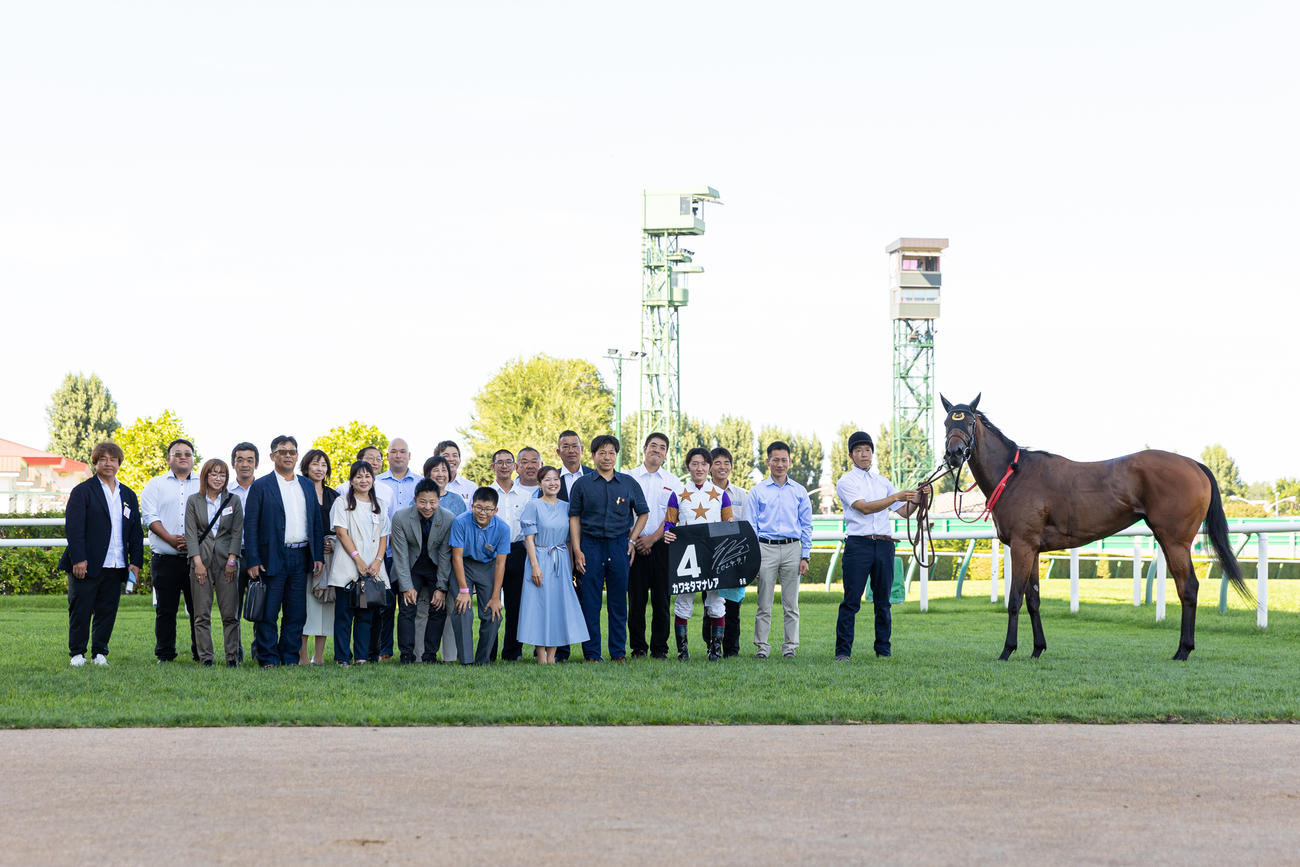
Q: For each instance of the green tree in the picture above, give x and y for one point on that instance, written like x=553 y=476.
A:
x=528 y=403
x=1287 y=487
x=81 y=415
x=736 y=435
x=1224 y=468
x=806 y=456
x=841 y=463
x=144 y=447
x=342 y=443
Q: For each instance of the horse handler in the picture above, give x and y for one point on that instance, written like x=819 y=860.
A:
x=868 y=498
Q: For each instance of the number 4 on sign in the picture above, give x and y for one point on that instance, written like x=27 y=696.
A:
x=690 y=566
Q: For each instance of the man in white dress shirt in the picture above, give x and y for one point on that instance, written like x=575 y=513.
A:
x=868 y=498
x=243 y=462
x=456 y=483
x=162 y=507
x=648 y=575
x=512 y=496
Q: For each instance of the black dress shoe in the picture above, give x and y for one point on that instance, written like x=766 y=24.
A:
x=638 y=654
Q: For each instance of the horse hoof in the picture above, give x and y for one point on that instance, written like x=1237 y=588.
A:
x=1006 y=654
x=1181 y=655
x=1038 y=651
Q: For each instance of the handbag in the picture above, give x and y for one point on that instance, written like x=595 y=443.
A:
x=255 y=601
x=369 y=592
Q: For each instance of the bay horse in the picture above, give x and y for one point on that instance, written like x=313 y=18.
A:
x=1044 y=502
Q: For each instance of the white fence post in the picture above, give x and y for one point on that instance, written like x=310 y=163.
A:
x=1161 y=574
x=995 y=560
x=1006 y=576
x=925 y=588
x=1261 y=580
x=1137 y=571
x=1074 y=580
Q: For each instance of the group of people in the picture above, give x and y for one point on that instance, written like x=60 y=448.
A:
x=543 y=551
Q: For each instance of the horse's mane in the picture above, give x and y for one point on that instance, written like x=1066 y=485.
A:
x=997 y=430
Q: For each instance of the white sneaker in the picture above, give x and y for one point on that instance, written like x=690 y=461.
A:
x=100 y=659
x=77 y=661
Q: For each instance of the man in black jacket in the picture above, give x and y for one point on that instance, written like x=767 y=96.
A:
x=105 y=545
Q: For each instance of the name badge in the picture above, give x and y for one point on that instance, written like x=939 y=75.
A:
x=126 y=511
x=229 y=510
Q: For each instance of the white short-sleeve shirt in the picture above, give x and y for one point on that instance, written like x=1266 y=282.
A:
x=868 y=486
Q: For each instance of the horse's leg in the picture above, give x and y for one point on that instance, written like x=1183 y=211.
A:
x=1022 y=556
x=1032 y=604
x=1179 y=560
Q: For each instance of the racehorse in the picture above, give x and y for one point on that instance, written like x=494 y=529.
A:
x=1044 y=502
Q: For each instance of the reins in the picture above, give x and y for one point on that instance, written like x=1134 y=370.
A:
x=923 y=540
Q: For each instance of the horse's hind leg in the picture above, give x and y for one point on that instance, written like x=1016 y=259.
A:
x=1179 y=559
x=1024 y=568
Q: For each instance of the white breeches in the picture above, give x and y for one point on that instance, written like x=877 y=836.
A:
x=714 y=605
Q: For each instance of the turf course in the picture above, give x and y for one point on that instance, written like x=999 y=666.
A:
x=1108 y=663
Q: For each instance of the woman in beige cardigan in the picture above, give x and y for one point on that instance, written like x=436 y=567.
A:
x=215 y=557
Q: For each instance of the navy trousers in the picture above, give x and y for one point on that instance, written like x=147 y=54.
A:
x=287 y=593
x=606 y=573
x=351 y=628
x=865 y=560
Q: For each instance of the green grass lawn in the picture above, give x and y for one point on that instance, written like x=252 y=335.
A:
x=1108 y=663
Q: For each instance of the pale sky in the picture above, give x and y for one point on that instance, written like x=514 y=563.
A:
x=273 y=217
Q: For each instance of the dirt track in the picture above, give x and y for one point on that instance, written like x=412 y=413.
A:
x=887 y=794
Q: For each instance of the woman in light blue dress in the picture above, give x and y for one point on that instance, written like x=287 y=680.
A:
x=549 y=613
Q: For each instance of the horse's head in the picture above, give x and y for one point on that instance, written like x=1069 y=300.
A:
x=959 y=430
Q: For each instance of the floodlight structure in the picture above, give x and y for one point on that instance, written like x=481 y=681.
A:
x=914 y=283
x=665 y=270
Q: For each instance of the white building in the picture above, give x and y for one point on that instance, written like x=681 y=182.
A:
x=35 y=481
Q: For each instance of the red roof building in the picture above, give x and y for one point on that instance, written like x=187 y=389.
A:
x=35 y=481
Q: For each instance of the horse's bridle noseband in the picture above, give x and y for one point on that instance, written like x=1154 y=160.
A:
x=964 y=434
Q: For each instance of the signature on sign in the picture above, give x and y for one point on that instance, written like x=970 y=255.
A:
x=727 y=553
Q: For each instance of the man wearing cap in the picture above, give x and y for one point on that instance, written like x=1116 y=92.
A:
x=868 y=498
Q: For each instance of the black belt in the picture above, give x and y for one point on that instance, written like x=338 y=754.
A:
x=777 y=541
x=295 y=544
x=874 y=537
x=160 y=554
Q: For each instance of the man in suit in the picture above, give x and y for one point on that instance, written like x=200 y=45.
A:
x=283 y=543
x=421 y=571
x=104 y=547
x=569 y=450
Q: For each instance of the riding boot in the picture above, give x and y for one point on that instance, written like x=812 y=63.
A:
x=715 y=642
x=682 y=653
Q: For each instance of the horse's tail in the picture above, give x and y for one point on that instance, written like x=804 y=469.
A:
x=1216 y=527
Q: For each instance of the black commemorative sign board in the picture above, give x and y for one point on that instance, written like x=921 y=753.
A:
x=710 y=556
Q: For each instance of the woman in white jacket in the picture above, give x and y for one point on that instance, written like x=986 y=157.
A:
x=363 y=525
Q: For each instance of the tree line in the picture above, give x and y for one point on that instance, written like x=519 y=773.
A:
x=527 y=403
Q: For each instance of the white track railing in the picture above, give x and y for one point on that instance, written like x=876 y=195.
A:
x=996 y=559
x=1000 y=556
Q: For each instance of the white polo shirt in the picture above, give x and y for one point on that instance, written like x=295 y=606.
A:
x=868 y=486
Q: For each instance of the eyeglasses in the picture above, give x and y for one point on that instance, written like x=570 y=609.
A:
x=182 y=454
x=503 y=463
x=289 y=453
x=484 y=509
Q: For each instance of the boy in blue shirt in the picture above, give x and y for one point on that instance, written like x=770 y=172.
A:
x=480 y=543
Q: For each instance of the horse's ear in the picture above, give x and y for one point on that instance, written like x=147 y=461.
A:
x=947 y=404
x=974 y=404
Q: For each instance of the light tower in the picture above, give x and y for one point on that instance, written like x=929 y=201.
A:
x=665 y=267
x=914 y=284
